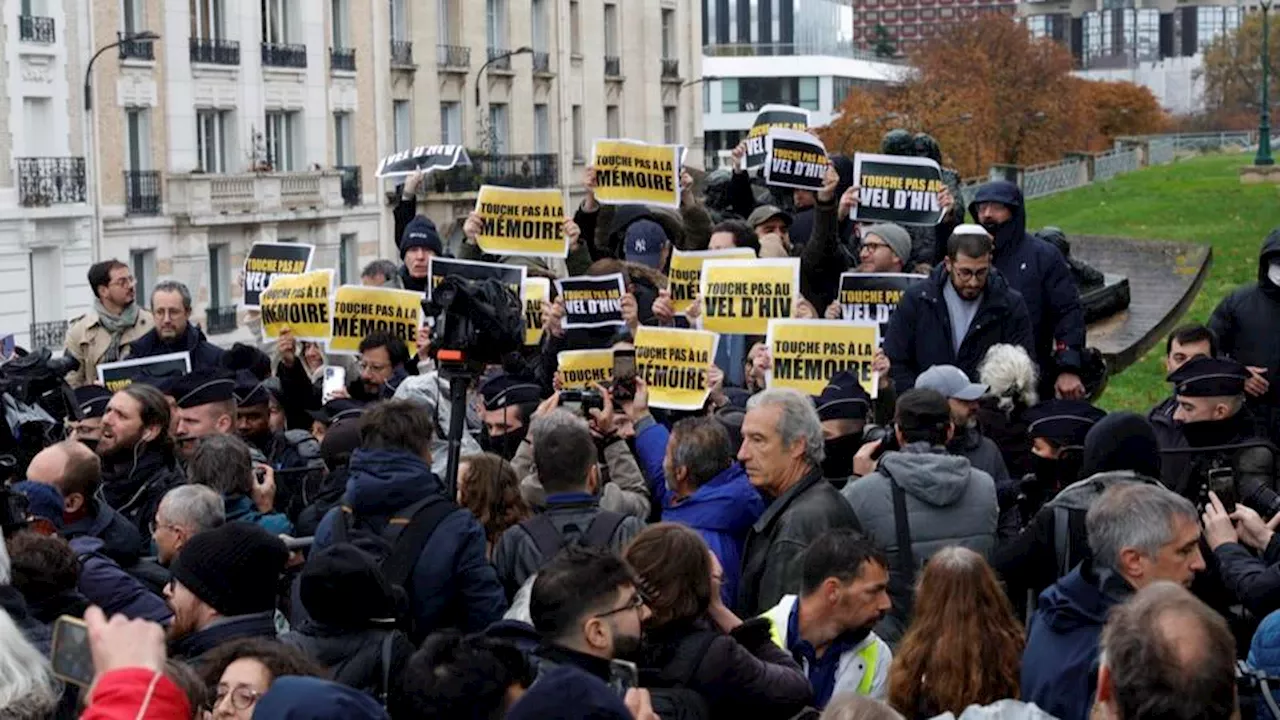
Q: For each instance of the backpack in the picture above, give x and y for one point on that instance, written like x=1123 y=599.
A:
x=550 y=540
x=1069 y=507
x=669 y=690
x=398 y=546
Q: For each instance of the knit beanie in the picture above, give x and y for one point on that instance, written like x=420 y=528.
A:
x=340 y=440
x=342 y=587
x=893 y=235
x=421 y=232
x=233 y=568
x=1121 y=441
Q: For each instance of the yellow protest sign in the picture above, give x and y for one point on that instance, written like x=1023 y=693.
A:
x=580 y=368
x=521 y=222
x=674 y=364
x=630 y=172
x=807 y=353
x=742 y=296
x=299 y=303
x=359 y=311
x=536 y=290
x=685 y=277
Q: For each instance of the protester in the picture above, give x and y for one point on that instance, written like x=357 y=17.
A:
x=129 y=671
x=1183 y=344
x=964 y=644
x=419 y=243
x=241 y=671
x=15 y=606
x=382 y=368
x=316 y=699
x=728 y=234
x=45 y=570
x=1139 y=534
x=489 y=488
x=184 y=512
x=464 y=676
x=206 y=406
x=1010 y=376
x=380 y=273
x=138 y=462
x=28 y=689
x=843 y=407
x=956 y=314
x=963 y=397
x=782 y=452
x=75 y=472
x=107 y=332
x=340 y=441
x=222 y=462
x=174 y=332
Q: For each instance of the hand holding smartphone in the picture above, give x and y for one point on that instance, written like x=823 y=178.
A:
x=335 y=379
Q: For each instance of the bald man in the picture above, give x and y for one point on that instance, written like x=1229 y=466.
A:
x=76 y=472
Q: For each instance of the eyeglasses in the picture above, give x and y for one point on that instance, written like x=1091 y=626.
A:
x=966 y=274
x=125 y=281
x=242 y=698
x=372 y=367
x=873 y=246
x=153 y=525
x=635 y=603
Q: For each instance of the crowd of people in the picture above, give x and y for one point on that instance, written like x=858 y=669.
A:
x=977 y=541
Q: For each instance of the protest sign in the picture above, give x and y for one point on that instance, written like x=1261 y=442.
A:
x=536 y=290
x=807 y=353
x=897 y=188
x=359 y=311
x=635 y=173
x=521 y=222
x=299 y=303
x=872 y=297
x=787 y=117
x=673 y=364
x=592 y=301
x=742 y=296
x=580 y=368
x=116 y=376
x=427 y=158
x=266 y=261
x=686 y=272
x=794 y=159
x=439 y=268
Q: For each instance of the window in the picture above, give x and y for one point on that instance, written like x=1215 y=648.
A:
x=211 y=140
x=339 y=24
x=399 y=20
x=670 y=131
x=751 y=94
x=283 y=129
x=496 y=24
x=446 y=14
x=706 y=96
x=219 y=276
x=143 y=263
x=499 y=128
x=208 y=18
x=579 y=154
x=538 y=19
x=451 y=123
x=612 y=121
x=348 y=258
x=541 y=129
x=729 y=96
x=37 y=126
x=575 y=27
x=401 y=124
x=611 y=30
x=277 y=19
x=138 y=138
x=46 y=285
x=668 y=33
x=344 y=153
x=809 y=93
x=131 y=16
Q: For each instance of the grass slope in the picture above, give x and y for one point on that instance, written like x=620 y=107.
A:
x=1198 y=200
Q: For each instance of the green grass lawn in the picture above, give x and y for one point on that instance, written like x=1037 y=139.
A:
x=1198 y=200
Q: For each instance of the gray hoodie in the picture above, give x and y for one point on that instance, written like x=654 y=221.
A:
x=948 y=503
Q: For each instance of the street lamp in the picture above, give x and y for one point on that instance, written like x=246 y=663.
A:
x=1264 y=113
x=144 y=36
x=522 y=50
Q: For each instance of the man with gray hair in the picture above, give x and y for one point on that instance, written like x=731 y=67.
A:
x=381 y=273
x=184 y=512
x=782 y=451
x=174 y=332
x=1139 y=534
x=225 y=464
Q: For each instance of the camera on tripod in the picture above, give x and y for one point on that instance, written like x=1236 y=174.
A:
x=477 y=322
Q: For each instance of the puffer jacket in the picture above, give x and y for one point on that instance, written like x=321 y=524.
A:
x=948 y=502
x=87 y=341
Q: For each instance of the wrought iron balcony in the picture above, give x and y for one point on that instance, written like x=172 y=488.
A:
x=670 y=68
x=342 y=59
x=32 y=28
x=612 y=66
x=220 y=320
x=284 y=55
x=50 y=335
x=131 y=49
x=520 y=171
x=401 y=53
x=215 y=51
x=142 y=192
x=46 y=181
x=352 y=190
x=453 y=57
x=542 y=62
x=499 y=59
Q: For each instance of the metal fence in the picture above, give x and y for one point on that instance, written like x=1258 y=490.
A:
x=1041 y=180
x=1116 y=162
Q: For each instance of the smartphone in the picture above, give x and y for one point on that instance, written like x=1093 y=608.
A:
x=624 y=365
x=1223 y=484
x=625 y=674
x=72 y=660
x=335 y=379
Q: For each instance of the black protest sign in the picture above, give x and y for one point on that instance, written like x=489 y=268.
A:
x=872 y=297
x=427 y=158
x=786 y=117
x=266 y=260
x=439 y=268
x=592 y=301
x=897 y=189
x=794 y=159
x=119 y=375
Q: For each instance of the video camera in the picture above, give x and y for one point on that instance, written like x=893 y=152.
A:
x=478 y=320
x=41 y=399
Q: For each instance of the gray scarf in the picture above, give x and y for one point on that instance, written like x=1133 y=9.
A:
x=116 y=325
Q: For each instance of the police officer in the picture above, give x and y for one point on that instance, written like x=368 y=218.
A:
x=1057 y=429
x=1219 y=445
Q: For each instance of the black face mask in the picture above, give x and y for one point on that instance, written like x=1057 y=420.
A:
x=1055 y=474
x=839 y=455
x=994 y=227
x=505 y=445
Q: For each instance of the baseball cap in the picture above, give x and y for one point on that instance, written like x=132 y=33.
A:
x=765 y=213
x=951 y=382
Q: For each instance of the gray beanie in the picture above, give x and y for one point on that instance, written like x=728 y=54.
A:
x=894 y=236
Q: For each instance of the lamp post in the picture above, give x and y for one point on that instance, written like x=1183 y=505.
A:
x=1264 y=114
x=522 y=50
x=144 y=36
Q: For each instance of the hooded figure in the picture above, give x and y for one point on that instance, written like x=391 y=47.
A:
x=1039 y=273
x=1246 y=322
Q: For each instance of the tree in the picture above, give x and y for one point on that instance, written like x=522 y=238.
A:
x=1232 y=73
x=1121 y=108
x=882 y=43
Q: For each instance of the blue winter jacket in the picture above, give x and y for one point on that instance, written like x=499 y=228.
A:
x=240 y=507
x=109 y=587
x=1264 y=654
x=204 y=354
x=453 y=585
x=1060 y=663
x=722 y=511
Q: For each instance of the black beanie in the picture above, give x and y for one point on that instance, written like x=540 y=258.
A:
x=340 y=440
x=233 y=568
x=421 y=232
x=341 y=587
x=1121 y=441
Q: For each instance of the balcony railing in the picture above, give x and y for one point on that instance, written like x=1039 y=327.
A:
x=46 y=181
x=499 y=59
x=352 y=192
x=284 y=55
x=670 y=68
x=342 y=59
x=220 y=320
x=142 y=192
x=612 y=66
x=50 y=335
x=136 y=49
x=32 y=28
x=453 y=57
x=401 y=53
x=204 y=196
x=521 y=171
x=215 y=51
x=542 y=62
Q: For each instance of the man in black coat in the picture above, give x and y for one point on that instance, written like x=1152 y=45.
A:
x=956 y=314
x=1183 y=344
x=173 y=333
x=138 y=463
x=1246 y=322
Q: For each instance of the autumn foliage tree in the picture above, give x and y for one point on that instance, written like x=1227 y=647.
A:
x=1232 y=74
x=991 y=93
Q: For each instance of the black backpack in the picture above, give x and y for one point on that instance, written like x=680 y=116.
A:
x=550 y=541
x=669 y=690
x=398 y=546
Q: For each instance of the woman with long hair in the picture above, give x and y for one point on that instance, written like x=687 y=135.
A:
x=28 y=690
x=489 y=488
x=964 y=645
